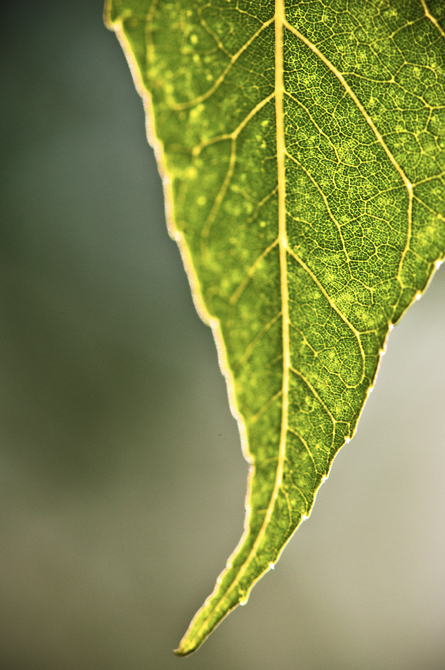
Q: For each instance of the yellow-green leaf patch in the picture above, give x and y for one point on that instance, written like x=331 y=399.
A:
x=302 y=145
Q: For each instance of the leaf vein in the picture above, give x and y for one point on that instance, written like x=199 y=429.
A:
x=317 y=397
x=235 y=296
x=433 y=20
x=354 y=98
x=251 y=346
x=181 y=106
x=253 y=419
x=334 y=308
x=306 y=446
x=325 y=200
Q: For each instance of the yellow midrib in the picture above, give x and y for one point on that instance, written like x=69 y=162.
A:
x=282 y=235
x=282 y=242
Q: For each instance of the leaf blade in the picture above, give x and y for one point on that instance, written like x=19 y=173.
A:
x=344 y=222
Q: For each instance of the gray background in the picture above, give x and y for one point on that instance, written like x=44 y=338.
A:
x=121 y=477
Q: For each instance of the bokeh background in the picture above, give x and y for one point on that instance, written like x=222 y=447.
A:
x=121 y=477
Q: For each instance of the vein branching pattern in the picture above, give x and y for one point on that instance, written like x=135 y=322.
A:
x=302 y=145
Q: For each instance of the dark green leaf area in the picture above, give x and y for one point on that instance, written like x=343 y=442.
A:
x=392 y=56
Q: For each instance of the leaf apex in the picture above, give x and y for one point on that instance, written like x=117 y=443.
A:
x=190 y=643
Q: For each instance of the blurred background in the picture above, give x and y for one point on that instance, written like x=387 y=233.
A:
x=121 y=477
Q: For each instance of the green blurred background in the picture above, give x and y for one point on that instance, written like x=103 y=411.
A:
x=121 y=477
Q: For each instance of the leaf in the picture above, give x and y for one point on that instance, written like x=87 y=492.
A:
x=302 y=145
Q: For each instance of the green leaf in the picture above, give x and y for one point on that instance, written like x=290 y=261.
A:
x=302 y=145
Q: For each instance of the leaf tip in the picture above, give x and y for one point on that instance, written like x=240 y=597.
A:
x=180 y=652
x=188 y=645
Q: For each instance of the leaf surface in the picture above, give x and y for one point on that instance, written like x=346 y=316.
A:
x=302 y=145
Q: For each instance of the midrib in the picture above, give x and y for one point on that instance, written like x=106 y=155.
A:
x=282 y=236
x=282 y=242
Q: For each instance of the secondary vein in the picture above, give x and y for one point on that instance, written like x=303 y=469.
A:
x=355 y=99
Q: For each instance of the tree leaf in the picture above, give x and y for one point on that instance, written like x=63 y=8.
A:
x=302 y=145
